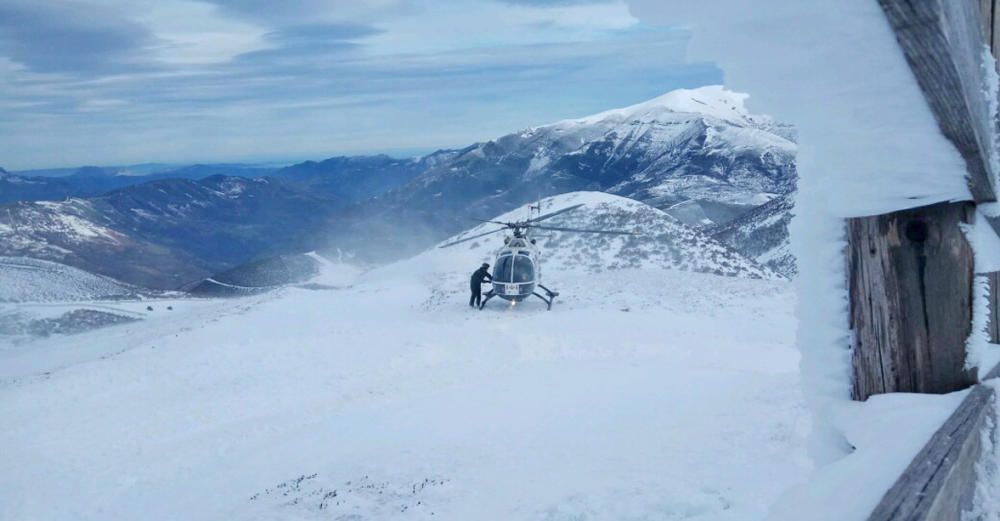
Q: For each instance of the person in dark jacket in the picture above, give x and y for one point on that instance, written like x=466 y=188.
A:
x=476 y=284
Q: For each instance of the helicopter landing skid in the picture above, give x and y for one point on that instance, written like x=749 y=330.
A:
x=489 y=294
x=548 y=298
x=551 y=296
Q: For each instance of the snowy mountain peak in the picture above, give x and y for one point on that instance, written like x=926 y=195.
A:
x=713 y=101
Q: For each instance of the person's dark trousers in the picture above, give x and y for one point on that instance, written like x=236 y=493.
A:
x=477 y=295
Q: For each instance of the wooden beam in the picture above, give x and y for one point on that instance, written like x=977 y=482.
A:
x=993 y=329
x=994 y=373
x=910 y=283
x=939 y=483
x=943 y=41
x=990 y=21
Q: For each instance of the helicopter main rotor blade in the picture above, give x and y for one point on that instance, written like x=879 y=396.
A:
x=488 y=221
x=555 y=213
x=581 y=230
x=460 y=241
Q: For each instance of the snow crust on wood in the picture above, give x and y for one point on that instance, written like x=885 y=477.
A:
x=980 y=353
x=883 y=433
x=991 y=91
x=985 y=500
x=868 y=144
x=985 y=244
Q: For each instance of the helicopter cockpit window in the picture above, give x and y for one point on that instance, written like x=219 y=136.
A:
x=514 y=268
x=524 y=269
x=504 y=267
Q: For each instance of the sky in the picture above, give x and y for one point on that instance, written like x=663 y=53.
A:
x=113 y=82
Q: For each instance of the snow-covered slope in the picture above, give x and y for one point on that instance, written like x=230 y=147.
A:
x=661 y=242
x=762 y=234
x=31 y=280
x=643 y=394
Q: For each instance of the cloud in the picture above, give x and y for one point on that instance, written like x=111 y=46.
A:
x=555 y=3
x=70 y=38
x=177 y=80
x=322 y=33
x=306 y=46
x=297 y=12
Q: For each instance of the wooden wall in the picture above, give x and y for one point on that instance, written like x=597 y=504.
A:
x=911 y=272
x=911 y=295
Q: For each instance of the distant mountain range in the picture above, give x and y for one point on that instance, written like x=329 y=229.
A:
x=352 y=178
x=91 y=181
x=697 y=155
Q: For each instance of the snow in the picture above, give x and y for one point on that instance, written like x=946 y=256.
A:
x=985 y=244
x=885 y=432
x=980 y=353
x=37 y=220
x=335 y=273
x=31 y=280
x=713 y=100
x=991 y=91
x=644 y=394
x=144 y=214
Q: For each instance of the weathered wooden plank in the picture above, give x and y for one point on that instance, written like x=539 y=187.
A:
x=993 y=34
x=990 y=22
x=943 y=42
x=910 y=284
x=939 y=483
x=993 y=330
x=986 y=20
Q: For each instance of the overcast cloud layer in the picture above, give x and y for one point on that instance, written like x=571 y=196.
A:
x=126 y=81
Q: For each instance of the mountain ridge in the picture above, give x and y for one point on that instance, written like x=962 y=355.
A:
x=705 y=168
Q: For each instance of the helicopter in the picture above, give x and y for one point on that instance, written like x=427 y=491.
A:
x=517 y=268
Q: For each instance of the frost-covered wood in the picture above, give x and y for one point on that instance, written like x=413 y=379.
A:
x=990 y=23
x=943 y=42
x=911 y=300
x=939 y=483
x=993 y=329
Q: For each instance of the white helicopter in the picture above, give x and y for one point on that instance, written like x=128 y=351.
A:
x=517 y=268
